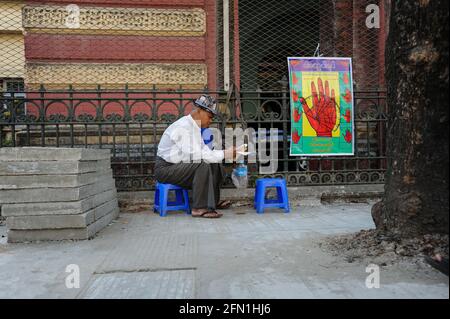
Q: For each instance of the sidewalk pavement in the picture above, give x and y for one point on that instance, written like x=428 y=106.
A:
x=241 y=255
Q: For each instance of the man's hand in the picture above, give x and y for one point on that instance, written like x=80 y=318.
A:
x=242 y=148
x=230 y=153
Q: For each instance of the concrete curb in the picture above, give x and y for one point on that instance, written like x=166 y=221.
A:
x=305 y=195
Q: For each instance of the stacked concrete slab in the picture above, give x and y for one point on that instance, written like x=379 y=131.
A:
x=56 y=193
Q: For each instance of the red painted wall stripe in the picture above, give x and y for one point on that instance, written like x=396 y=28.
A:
x=113 y=48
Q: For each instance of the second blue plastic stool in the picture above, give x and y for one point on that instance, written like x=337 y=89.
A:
x=163 y=205
x=282 y=200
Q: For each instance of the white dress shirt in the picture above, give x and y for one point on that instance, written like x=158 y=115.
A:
x=182 y=143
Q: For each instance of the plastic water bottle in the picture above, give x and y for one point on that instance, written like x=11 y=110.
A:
x=239 y=176
x=241 y=169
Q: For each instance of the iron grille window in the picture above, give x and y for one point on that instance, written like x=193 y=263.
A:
x=16 y=85
x=13 y=91
x=270 y=31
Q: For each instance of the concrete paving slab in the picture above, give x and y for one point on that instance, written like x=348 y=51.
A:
x=42 y=181
x=44 y=195
x=52 y=167
x=142 y=285
x=152 y=253
x=19 y=236
x=38 y=270
x=58 y=208
x=61 y=221
x=52 y=154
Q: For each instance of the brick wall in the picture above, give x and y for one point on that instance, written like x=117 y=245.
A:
x=364 y=45
x=113 y=48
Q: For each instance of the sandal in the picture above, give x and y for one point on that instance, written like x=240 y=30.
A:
x=209 y=214
x=224 y=204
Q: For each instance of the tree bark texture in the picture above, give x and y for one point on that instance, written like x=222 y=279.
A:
x=416 y=199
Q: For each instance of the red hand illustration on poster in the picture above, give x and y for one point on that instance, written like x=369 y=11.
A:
x=348 y=136
x=345 y=79
x=296 y=137
x=347 y=116
x=297 y=115
x=322 y=114
x=347 y=96
x=295 y=96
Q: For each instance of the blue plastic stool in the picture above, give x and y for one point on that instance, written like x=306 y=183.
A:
x=281 y=201
x=162 y=204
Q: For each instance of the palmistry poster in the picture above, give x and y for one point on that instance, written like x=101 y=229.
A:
x=321 y=106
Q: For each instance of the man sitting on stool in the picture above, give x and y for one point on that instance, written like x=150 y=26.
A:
x=183 y=159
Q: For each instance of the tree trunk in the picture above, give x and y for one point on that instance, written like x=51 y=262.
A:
x=416 y=191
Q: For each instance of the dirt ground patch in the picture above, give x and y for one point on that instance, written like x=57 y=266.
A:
x=385 y=250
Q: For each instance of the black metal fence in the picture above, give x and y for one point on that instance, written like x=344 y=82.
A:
x=131 y=122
